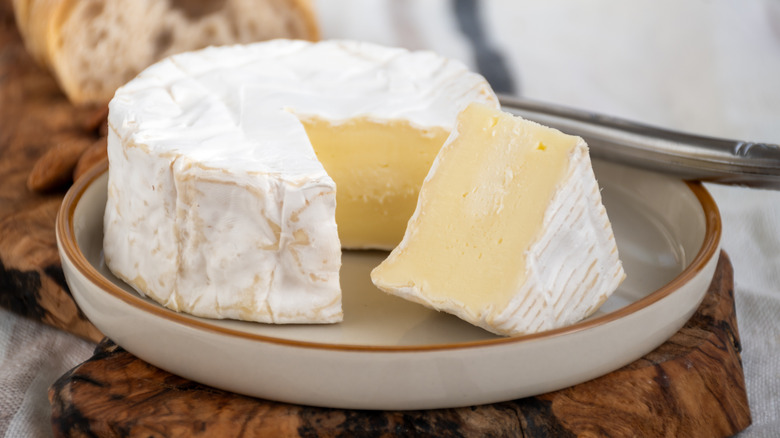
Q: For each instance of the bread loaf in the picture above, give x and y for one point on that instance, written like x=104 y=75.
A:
x=94 y=46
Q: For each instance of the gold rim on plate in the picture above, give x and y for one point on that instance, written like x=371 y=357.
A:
x=66 y=233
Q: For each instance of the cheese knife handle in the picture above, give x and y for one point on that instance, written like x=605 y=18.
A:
x=688 y=156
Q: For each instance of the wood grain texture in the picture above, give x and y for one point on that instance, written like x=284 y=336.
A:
x=691 y=386
x=35 y=117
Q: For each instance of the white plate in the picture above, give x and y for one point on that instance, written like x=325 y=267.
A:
x=393 y=354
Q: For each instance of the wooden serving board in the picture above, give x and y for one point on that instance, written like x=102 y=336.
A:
x=691 y=386
x=35 y=120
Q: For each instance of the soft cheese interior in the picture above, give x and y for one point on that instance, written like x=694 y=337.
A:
x=509 y=233
x=230 y=167
x=378 y=169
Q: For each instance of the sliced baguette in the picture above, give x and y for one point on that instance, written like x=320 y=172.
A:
x=92 y=47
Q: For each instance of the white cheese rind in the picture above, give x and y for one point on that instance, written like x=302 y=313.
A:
x=223 y=244
x=217 y=204
x=571 y=268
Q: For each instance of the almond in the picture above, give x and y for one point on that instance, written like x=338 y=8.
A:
x=91 y=157
x=55 y=167
x=93 y=119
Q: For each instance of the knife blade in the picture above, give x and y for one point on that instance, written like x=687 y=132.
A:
x=688 y=156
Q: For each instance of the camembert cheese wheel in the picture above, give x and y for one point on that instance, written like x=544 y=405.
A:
x=230 y=167
x=509 y=232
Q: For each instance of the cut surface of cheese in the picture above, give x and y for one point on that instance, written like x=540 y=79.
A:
x=377 y=184
x=509 y=232
x=230 y=167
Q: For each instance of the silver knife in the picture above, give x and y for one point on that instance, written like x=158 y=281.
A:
x=687 y=156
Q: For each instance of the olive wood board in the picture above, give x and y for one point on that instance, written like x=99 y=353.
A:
x=41 y=133
x=692 y=386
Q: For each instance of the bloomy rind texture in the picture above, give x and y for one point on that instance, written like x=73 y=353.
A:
x=572 y=267
x=94 y=46
x=249 y=254
x=217 y=204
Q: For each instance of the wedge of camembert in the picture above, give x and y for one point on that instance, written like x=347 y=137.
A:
x=509 y=232
x=230 y=167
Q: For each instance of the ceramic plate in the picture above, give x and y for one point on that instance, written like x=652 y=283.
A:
x=392 y=354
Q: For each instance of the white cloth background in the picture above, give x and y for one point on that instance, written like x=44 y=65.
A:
x=709 y=67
